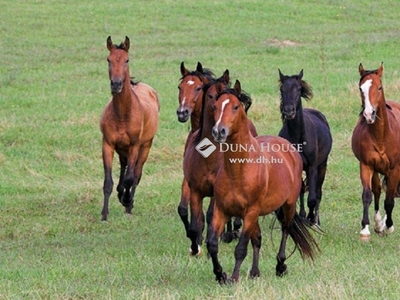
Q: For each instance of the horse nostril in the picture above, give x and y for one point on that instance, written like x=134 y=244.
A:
x=223 y=132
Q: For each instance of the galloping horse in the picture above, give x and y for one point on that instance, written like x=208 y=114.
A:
x=251 y=183
x=309 y=131
x=128 y=124
x=375 y=143
x=190 y=101
x=200 y=168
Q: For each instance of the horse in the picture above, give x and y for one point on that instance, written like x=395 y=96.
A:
x=375 y=142
x=308 y=130
x=128 y=124
x=254 y=181
x=201 y=166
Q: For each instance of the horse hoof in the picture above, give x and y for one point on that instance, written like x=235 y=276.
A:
x=389 y=230
x=365 y=237
x=199 y=252
x=129 y=215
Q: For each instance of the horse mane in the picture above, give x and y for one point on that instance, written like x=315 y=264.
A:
x=368 y=72
x=306 y=89
x=244 y=97
x=206 y=73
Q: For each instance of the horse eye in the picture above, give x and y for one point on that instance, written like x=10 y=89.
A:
x=127 y=60
x=380 y=88
x=198 y=89
x=108 y=60
x=236 y=107
x=214 y=107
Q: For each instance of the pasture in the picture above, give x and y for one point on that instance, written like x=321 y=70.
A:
x=53 y=87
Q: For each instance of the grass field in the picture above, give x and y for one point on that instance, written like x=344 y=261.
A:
x=54 y=85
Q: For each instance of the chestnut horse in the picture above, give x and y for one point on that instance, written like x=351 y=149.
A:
x=128 y=124
x=254 y=182
x=200 y=166
x=190 y=101
x=375 y=143
x=308 y=130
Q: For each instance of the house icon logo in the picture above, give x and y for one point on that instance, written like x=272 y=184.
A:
x=205 y=147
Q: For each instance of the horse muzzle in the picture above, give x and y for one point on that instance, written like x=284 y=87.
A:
x=220 y=134
x=289 y=112
x=183 y=115
x=116 y=86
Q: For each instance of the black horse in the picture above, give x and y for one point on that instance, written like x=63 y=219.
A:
x=309 y=131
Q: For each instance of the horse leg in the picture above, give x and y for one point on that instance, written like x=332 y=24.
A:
x=214 y=231
x=196 y=223
x=108 y=154
x=183 y=205
x=285 y=215
x=392 y=183
x=142 y=155
x=320 y=182
x=302 y=192
x=312 y=195
x=256 y=243
x=127 y=199
x=251 y=230
x=120 y=186
x=376 y=190
x=366 y=174
x=236 y=227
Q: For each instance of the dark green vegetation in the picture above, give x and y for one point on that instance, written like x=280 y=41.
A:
x=54 y=85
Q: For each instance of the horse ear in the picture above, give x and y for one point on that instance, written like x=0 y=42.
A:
x=301 y=74
x=184 y=71
x=126 y=43
x=237 y=87
x=225 y=77
x=281 y=76
x=361 y=69
x=380 y=70
x=199 y=67
x=109 y=43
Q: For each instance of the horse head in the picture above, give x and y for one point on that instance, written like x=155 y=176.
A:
x=371 y=92
x=190 y=90
x=228 y=109
x=292 y=89
x=118 y=64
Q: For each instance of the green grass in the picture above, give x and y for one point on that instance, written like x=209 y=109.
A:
x=54 y=85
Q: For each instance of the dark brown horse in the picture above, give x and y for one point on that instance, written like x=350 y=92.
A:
x=258 y=176
x=190 y=106
x=128 y=124
x=308 y=130
x=375 y=143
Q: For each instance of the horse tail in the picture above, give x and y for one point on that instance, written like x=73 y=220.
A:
x=302 y=238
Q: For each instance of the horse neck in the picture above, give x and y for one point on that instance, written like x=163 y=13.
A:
x=122 y=102
x=296 y=126
x=380 y=128
x=196 y=114
x=241 y=137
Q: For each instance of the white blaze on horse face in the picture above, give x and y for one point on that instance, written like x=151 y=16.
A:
x=368 y=109
x=224 y=103
x=190 y=82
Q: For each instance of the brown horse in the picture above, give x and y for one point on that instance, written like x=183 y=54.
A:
x=201 y=166
x=259 y=175
x=128 y=124
x=375 y=143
